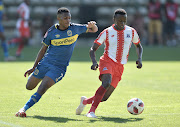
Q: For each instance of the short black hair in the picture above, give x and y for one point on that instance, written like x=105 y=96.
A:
x=63 y=10
x=120 y=11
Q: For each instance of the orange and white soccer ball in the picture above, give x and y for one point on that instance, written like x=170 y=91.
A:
x=135 y=106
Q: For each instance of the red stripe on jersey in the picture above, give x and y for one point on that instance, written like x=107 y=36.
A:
x=100 y=34
x=133 y=30
x=107 y=43
x=138 y=41
x=96 y=41
x=120 y=45
x=23 y=14
x=132 y=34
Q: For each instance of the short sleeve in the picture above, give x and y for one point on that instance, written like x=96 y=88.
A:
x=46 y=40
x=26 y=15
x=101 y=38
x=23 y=10
x=135 y=38
x=81 y=28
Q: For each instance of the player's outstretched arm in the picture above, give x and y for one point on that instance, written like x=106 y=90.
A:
x=139 y=50
x=92 y=27
x=40 y=55
x=93 y=56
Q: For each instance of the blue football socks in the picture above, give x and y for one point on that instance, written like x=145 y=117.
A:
x=5 y=49
x=34 y=99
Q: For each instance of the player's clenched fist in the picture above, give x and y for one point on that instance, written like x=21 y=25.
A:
x=94 y=66
x=139 y=64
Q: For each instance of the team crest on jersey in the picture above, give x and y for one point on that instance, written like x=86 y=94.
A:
x=36 y=72
x=57 y=35
x=69 y=33
x=105 y=68
x=128 y=36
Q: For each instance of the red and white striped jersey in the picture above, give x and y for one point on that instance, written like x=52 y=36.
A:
x=118 y=42
x=24 y=15
x=23 y=11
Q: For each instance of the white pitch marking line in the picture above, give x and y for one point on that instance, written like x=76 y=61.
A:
x=9 y=124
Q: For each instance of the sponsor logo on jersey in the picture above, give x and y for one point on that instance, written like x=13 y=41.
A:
x=105 y=69
x=57 y=35
x=64 y=41
x=69 y=33
x=128 y=36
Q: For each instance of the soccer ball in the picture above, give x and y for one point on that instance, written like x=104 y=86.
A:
x=135 y=106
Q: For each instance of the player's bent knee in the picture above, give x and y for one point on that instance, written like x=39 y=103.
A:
x=32 y=82
x=106 y=80
x=29 y=87
x=106 y=84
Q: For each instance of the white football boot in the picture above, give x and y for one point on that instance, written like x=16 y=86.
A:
x=80 y=108
x=91 y=115
x=21 y=113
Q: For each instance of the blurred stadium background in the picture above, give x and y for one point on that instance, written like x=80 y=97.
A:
x=82 y=11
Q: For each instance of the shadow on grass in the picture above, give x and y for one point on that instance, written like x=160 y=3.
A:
x=55 y=119
x=102 y=118
x=116 y=119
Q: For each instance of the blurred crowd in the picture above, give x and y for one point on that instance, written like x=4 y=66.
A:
x=161 y=27
x=159 y=30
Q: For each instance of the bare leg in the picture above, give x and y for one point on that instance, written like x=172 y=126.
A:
x=32 y=82
x=46 y=83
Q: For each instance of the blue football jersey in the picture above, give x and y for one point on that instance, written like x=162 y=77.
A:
x=61 y=43
x=1 y=10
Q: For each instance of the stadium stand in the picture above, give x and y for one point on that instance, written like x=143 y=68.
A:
x=102 y=11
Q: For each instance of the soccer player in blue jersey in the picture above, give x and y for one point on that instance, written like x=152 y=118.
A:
x=54 y=56
x=2 y=37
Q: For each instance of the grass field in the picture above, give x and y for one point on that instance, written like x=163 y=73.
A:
x=157 y=84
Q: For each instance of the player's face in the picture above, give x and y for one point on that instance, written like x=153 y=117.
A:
x=120 y=21
x=64 y=20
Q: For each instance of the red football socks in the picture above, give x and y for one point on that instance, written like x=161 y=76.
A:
x=97 y=98
x=88 y=100
x=21 y=46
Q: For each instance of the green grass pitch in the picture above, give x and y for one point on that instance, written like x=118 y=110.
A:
x=157 y=84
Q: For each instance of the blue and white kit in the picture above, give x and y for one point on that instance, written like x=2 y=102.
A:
x=60 y=44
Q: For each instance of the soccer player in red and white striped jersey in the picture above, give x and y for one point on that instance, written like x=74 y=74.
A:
x=23 y=27
x=117 y=39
